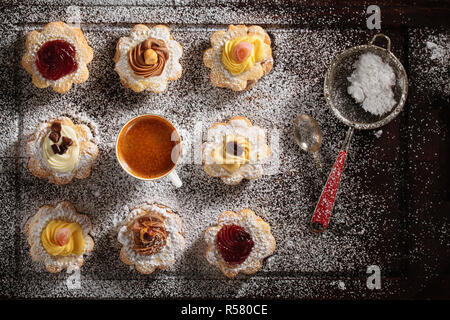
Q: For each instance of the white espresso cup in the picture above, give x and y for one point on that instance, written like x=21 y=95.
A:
x=148 y=147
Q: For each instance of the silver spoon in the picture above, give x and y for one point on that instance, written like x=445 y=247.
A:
x=308 y=136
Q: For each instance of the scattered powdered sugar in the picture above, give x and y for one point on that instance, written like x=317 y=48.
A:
x=258 y=151
x=85 y=159
x=371 y=84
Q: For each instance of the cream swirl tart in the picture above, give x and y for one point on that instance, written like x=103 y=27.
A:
x=151 y=237
x=235 y=150
x=57 y=56
x=59 y=236
x=148 y=58
x=238 y=57
x=60 y=151
x=239 y=242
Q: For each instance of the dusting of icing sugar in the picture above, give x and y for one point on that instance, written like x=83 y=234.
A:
x=437 y=52
x=283 y=199
x=50 y=37
x=260 y=235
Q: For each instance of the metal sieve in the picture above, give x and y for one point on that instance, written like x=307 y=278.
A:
x=352 y=114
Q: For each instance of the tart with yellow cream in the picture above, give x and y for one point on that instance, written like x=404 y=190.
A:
x=59 y=237
x=239 y=242
x=60 y=150
x=148 y=58
x=238 y=57
x=57 y=56
x=151 y=237
x=235 y=150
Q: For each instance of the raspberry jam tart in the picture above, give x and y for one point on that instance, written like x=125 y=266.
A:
x=57 y=56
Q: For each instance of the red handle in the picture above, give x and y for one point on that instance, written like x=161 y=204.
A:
x=325 y=205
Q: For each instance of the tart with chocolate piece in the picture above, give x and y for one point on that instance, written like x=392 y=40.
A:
x=148 y=58
x=57 y=56
x=151 y=238
x=239 y=242
x=60 y=151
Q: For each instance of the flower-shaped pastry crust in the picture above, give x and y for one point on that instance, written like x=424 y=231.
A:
x=72 y=165
x=235 y=150
x=71 y=47
x=36 y=225
x=239 y=242
x=213 y=58
x=151 y=237
x=139 y=73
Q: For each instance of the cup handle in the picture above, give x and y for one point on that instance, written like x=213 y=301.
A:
x=175 y=179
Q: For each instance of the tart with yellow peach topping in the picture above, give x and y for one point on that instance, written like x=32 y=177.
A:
x=148 y=58
x=57 y=56
x=60 y=150
x=239 y=242
x=238 y=57
x=59 y=237
x=151 y=238
x=235 y=150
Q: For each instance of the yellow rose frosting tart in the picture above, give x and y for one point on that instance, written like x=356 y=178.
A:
x=239 y=242
x=238 y=57
x=148 y=58
x=151 y=237
x=59 y=236
x=57 y=56
x=60 y=151
x=235 y=150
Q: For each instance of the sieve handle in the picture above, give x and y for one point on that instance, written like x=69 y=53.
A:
x=381 y=35
x=324 y=207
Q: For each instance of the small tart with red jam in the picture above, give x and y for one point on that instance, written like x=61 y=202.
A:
x=238 y=57
x=60 y=150
x=239 y=242
x=148 y=58
x=59 y=237
x=151 y=237
x=57 y=56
